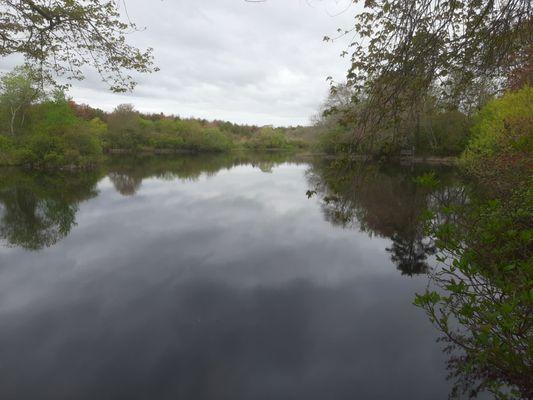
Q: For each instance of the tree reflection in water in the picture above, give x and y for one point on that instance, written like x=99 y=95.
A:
x=39 y=209
x=383 y=201
x=128 y=172
x=480 y=297
x=480 y=287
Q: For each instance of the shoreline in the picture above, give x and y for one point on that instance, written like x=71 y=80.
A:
x=299 y=155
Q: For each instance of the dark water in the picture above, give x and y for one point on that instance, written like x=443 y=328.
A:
x=216 y=278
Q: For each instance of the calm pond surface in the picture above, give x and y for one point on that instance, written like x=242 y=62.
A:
x=216 y=277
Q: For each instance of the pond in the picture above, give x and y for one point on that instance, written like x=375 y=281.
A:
x=217 y=277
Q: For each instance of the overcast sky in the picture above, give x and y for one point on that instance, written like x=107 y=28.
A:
x=256 y=63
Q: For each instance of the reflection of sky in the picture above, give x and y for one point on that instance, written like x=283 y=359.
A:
x=232 y=286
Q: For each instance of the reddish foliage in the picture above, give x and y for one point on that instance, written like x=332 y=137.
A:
x=522 y=73
x=86 y=112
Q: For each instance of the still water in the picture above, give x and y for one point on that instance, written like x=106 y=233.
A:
x=216 y=277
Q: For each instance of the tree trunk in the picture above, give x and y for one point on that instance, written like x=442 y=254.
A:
x=13 y=113
x=13 y=116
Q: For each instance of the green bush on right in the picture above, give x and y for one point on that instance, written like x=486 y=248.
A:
x=500 y=150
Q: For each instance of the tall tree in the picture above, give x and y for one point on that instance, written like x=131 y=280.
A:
x=62 y=36
x=18 y=91
x=404 y=49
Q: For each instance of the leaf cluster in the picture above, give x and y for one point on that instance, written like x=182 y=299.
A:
x=60 y=37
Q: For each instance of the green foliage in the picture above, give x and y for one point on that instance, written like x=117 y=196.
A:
x=127 y=130
x=63 y=36
x=484 y=299
x=500 y=153
x=502 y=131
x=82 y=147
x=165 y=126
x=334 y=140
x=433 y=128
x=268 y=139
x=197 y=137
x=405 y=52
x=97 y=127
x=49 y=134
x=73 y=149
x=18 y=91
x=428 y=180
x=6 y=150
x=238 y=131
x=57 y=133
x=166 y=141
x=58 y=138
x=52 y=117
x=214 y=140
x=45 y=151
x=442 y=132
x=124 y=129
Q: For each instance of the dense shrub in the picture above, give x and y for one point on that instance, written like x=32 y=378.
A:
x=165 y=125
x=127 y=139
x=52 y=117
x=482 y=298
x=82 y=145
x=127 y=130
x=97 y=127
x=6 y=150
x=503 y=125
x=42 y=150
x=334 y=140
x=502 y=138
x=166 y=141
x=214 y=140
x=443 y=133
x=268 y=139
x=124 y=129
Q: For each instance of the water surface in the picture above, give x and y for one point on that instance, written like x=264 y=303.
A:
x=215 y=278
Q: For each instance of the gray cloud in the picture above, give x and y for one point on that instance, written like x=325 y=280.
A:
x=262 y=63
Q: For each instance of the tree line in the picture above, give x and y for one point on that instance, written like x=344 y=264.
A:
x=42 y=128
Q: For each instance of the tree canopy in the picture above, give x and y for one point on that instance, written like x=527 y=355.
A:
x=63 y=36
x=18 y=90
x=405 y=50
